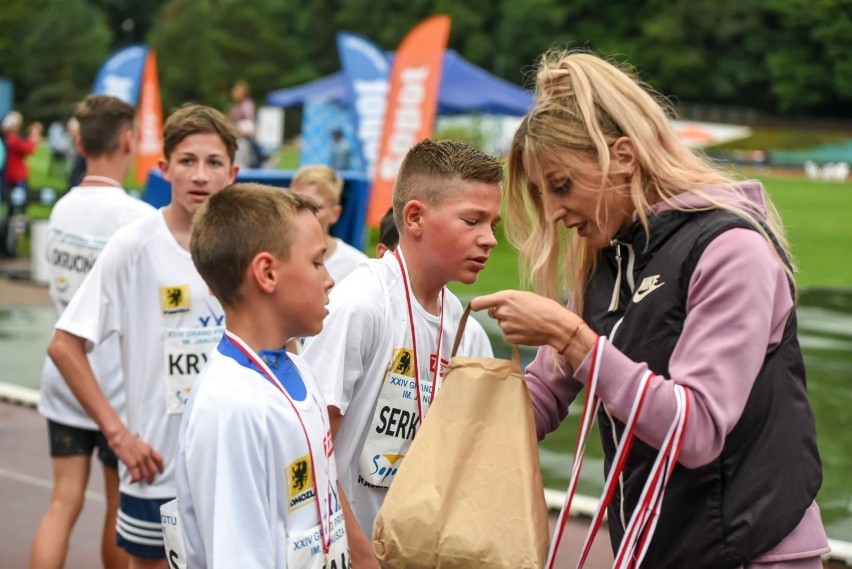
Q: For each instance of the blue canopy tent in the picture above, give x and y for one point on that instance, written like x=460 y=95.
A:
x=465 y=88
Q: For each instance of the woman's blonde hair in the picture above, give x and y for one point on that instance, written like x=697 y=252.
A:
x=583 y=105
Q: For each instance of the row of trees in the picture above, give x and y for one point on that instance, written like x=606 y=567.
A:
x=777 y=56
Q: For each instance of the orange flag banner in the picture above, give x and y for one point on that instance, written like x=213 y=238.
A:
x=412 y=105
x=149 y=129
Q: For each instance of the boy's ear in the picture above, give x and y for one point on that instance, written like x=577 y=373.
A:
x=622 y=157
x=262 y=271
x=163 y=164
x=127 y=140
x=412 y=217
x=335 y=213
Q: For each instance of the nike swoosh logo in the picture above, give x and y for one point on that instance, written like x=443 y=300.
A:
x=640 y=294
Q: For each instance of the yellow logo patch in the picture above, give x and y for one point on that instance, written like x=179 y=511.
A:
x=175 y=300
x=300 y=482
x=402 y=362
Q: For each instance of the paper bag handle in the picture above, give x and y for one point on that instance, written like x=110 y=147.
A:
x=516 y=356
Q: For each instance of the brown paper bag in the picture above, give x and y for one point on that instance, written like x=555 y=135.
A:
x=469 y=493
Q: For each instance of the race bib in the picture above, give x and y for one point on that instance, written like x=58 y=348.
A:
x=70 y=258
x=172 y=536
x=185 y=353
x=395 y=421
x=304 y=550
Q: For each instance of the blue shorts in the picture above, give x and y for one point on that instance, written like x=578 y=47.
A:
x=139 y=528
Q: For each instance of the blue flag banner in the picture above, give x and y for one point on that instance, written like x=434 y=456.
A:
x=121 y=74
x=367 y=71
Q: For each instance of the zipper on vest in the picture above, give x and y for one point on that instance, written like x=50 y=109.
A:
x=613 y=307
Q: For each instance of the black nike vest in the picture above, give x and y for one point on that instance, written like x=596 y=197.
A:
x=755 y=493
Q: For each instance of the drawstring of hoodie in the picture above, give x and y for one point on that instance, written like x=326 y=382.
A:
x=616 y=292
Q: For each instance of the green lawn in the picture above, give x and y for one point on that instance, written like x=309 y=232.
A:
x=817 y=218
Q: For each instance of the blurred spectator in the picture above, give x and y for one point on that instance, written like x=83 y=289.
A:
x=341 y=151
x=60 y=146
x=242 y=107
x=18 y=148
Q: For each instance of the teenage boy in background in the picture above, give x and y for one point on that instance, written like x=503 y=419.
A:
x=80 y=224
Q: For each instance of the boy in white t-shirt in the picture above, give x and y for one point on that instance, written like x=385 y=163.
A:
x=272 y=499
x=388 y=240
x=392 y=321
x=80 y=224
x=324 y=187
x=145 y=289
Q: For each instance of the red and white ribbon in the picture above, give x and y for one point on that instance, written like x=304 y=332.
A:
x=643 y=521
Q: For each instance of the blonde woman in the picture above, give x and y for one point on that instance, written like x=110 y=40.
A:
x=687 y=273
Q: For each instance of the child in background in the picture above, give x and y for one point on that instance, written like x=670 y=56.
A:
x=324 y=187
x=80 y=224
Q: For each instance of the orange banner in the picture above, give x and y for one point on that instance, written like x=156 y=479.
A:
x=149 y=131
x=412 y=105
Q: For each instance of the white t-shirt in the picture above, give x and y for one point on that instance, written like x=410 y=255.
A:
x=246 y=490
x=364 y=360
x=343 y=260
x=145 y=289
x=79 y=227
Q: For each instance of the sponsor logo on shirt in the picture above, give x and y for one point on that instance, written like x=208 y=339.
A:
x=403 y=362
x=175 y=300
x=433 y=358
x=387 y=464
x=300 y=482
x=61 y=284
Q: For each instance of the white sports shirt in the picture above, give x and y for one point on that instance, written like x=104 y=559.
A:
x=343 y=260
x=80 y=224
x=145 y=289
x=247 y=480
x=363 y=359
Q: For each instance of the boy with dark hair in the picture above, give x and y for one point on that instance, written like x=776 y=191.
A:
x=392 y=321
x=145 y=289
x=80 y=224
x=255 y=412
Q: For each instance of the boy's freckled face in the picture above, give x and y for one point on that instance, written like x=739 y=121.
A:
x=303 y=296
x=199 y=166
x=460 y=230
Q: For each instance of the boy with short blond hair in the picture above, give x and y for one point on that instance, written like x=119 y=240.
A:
x=325 y=188
x=145 y=289
x=392 y=322
x=255 y=411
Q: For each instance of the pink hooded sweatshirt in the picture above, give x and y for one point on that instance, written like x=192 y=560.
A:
x=737 y=307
